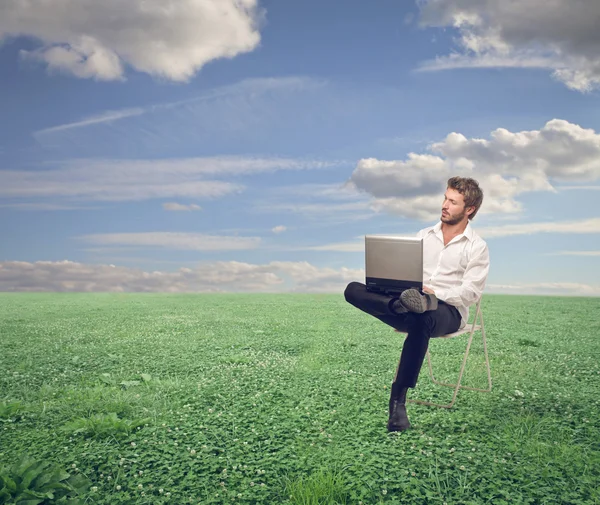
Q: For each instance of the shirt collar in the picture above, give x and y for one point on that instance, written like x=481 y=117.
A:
x=468 y=233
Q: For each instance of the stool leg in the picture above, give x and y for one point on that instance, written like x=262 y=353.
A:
x=457 y=386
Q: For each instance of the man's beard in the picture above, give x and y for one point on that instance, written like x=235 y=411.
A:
x=453 y=219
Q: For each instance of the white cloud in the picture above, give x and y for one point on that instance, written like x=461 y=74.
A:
x=575 y=253
x=87 y=185
x=562 y=150
x=309 y=278
x=222 y=102
x=135 y=180
x=561 y=35
x=173 y=206
x=592 y=188
x=277 y=276
x=311 y=191
x=341 y=247
x=582 y=226
x=319 y=214
x=209 y=277
x=383 y=179
x=43 y=206
x=424 y=208
x=278 y=229
x=545 y=288
x=95 y=39
x=174 y=240
x=316 y=210
x=83 y=57
x=322 y=204
x=506 y=165
x=108 y=116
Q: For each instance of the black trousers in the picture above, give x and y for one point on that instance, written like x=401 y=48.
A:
x=419 y=327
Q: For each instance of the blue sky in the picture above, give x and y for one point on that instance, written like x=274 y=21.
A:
x=250 y=145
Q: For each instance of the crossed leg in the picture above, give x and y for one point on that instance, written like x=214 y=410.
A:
x=420 y=327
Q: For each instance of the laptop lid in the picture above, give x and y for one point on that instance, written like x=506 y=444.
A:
x=393 y=263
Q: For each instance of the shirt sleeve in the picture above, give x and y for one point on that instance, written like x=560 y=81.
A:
x=473 y=281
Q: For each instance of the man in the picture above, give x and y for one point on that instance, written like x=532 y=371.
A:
x=455 y=268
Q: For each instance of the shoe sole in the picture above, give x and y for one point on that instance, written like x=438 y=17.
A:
x=413 y=301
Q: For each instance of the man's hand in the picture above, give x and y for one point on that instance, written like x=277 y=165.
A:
x=428 y=290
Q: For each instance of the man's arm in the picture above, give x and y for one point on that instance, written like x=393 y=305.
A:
x=473 y=280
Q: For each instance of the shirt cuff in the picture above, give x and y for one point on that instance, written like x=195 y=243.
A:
x=441 y=294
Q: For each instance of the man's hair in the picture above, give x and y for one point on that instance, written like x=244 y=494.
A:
x=469 y=188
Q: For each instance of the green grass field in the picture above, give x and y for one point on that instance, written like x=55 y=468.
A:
x=231 y=398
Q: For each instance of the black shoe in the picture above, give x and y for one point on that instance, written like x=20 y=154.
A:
x=398 y=420
x=415 y=301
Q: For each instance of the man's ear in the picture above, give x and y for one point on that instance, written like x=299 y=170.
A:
x=470 y=210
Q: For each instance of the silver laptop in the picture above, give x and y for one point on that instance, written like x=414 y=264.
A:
x=393 y=263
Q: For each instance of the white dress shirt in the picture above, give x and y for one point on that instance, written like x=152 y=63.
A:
x=457 y=271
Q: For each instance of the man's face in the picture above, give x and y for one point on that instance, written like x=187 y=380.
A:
x=453 y=208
